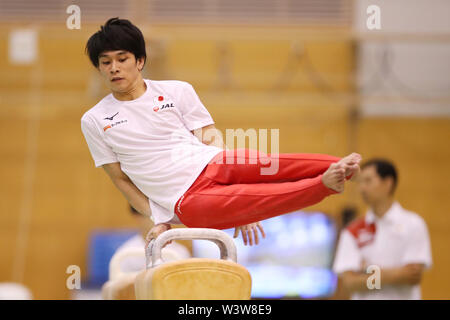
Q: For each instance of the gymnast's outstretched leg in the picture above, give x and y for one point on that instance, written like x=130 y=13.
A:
x=231 y=194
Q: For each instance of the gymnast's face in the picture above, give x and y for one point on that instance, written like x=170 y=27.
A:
x=372 y=187
x=120 y=70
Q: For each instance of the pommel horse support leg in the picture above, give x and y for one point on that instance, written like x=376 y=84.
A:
x=120 y=285
x=195 y=278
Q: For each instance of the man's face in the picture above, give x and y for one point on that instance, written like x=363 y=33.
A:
x=372 y=187
x=120 y=69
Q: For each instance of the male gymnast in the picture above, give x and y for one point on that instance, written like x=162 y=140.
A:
x=158 y=144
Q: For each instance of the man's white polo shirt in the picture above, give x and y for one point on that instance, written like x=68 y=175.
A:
x=150 y=137
x=400 y=237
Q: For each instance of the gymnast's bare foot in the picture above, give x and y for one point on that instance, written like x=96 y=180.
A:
x=351 y=163
x=334 y=177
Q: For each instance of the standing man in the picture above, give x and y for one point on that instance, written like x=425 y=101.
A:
x=153 y=139
x=389 y=237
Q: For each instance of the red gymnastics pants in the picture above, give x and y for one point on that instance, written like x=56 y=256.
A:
x=232 y=192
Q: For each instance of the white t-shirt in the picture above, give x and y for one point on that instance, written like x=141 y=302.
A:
x=150 y=137
x=400 y=237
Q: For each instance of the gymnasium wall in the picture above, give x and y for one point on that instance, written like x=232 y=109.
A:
x=404 y=103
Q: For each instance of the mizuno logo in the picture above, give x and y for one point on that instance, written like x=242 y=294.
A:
x=112 y=117
x=112 y=125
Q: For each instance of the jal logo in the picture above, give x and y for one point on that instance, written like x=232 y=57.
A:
x=161 y=102
x=164 y=106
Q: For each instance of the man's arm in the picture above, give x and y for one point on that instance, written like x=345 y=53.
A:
x=410 y=274
x=209 y=135
x=135 y=197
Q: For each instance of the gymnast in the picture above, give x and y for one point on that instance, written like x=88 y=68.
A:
x=158 y=144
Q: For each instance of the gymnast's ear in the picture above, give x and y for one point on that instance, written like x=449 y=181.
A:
x=140 y=62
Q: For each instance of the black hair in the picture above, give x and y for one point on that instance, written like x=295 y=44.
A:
x=384 y=169
x=348 y=214
x=116 y=34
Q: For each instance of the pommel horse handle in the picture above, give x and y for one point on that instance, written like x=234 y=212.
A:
x=220 y=238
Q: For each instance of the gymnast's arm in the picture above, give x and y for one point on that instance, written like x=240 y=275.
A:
x=135 y=197
x=209 y=135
